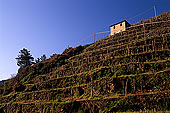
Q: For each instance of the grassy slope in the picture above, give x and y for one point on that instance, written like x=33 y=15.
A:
x=124 y=72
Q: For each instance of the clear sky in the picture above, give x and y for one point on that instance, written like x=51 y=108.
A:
x=49 y=26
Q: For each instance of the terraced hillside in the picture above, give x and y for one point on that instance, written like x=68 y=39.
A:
x=129 y=71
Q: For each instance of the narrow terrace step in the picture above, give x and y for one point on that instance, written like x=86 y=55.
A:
x=117 y=51
x=49 y=106
x=113 y=49
x=140 y=67
x=105 y=86
x=124 y=38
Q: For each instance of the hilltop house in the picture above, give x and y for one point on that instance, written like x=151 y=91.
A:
x=118 y=27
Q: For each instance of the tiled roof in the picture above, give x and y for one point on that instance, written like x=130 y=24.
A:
x=119 y=23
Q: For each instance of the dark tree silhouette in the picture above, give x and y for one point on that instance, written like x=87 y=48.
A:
x=24 y=58
x=53 y=55
x=43 y=57
x=37 y=60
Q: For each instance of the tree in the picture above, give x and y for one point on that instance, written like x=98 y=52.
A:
x=24 y=58
x=13 y=75
x=53 y=55
x=37 y=60
x=43 y=57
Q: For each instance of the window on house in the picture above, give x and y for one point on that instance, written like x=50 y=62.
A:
x=113 y=27
x=120 y=24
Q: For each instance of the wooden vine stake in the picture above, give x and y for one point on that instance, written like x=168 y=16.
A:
x=91 y=85
x=128 y=50
x=94 y=37
x=134 y=88
x=144 y=32
x=155 y=12
x=163 y=43
x=62 y=70
x=108 y=52
x=136 y=33
x=153 y=47
x=126 y=87
x=71 y=92
x=88 y=58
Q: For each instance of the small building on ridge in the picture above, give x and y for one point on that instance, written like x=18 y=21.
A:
x=119 y=27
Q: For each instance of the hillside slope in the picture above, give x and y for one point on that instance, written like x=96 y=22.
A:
x=125 y=72
x=2 y=82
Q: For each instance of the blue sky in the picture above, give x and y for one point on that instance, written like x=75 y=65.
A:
x=49 y=26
